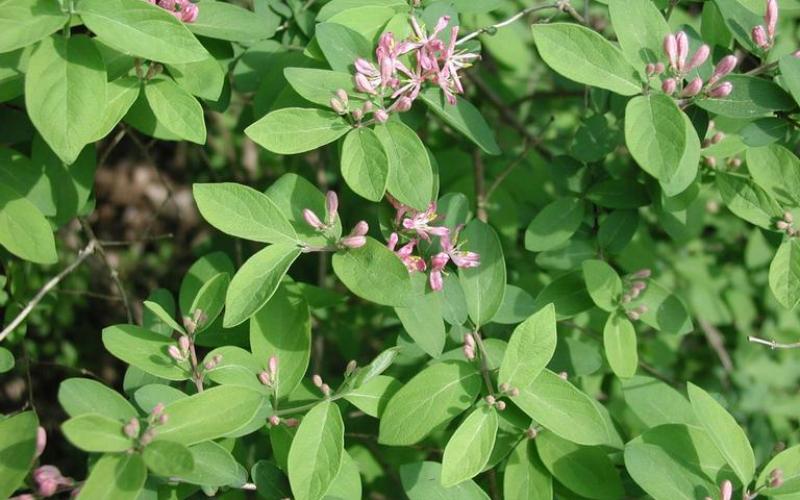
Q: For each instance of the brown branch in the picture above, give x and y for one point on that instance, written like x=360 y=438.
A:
x=717 y=342
x=111 y=270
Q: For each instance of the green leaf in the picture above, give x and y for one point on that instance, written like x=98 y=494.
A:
x=6 y=360
x=115 y=477
x=365 y=166
x=464 y=117
x=292 y=194
x=617 y=230
x=271 y=483
x=205 y=79
x=316 y=453
x=372 y=396
x=150 y=395
x=526 y=477
x=347 y=484
x=748 y=201
x=24 y=22
x=468 y=450
x=380 y=364
x=320 y=85
x=201 y=272
x=422 y=318
x=584 y=56
x=686 y=173
x=788 y=461
x=563 y=409
x=655 y=134
x=656 y=403
x=567 y=293
x=729 y=437
x=225 y=21
x=790 y=74
x=411 y=176
x=297 y=130
x=484 y=285
x=530 y=348
x=145 y=350
x=24 y=231
x=777 y=170
x=434 y=396
x=214 y=466
x=94 y=432
x=740 y=21
x=79 y=396
x=164 y=316
x=751 y=97
x=585 y=470
x=176 y=109
x=676 y=461
x=665 y=311
x=210 y=414
x=619 y=193
x=602 y=283
x=243 y=212
x=256 y=281
x=65 y=93
x=120 y=96
x=784 y=273
x=619 y=342
x=168 y=459
x=341 y=45
x=554 y=225
x=17 y=450
x=422 y=481
x=282 y=328
x=210 y=299
x=640 y=29
x=142 y=29
x=374 y=273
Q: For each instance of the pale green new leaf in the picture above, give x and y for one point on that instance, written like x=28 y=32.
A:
x=256 y=281
x=529 y=349
x=365 y=166
x=176 y=109
x=748 y=201
x=619 y=342
x=469 y=448
x=23 y=22
x=297 y=130
x=655 y=134
x=602 y=283
x=315 y=456
x=82 y=395
x=24 y=231
x=640 y=28
x=145 y=350
x=168 y=459
x=525 y=476
x=411 y=178
x=375 y=273
x=115 y=477
x=95 y=433
x=484 y=286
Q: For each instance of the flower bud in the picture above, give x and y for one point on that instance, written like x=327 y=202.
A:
x=643 y=273
x=693 y=88
x=710 y=161
x=209 y=365
x=357 y=115
x=291 y=422
x=158 y=410
x=264 y=378
x=633 y=315
x=272 y=365
x=671 y=49
x=363 y=66
x=381 y=116
x=668 y=86
x=317 y=380
x=360 y=229
x=341 y=94
x=726 y=490
x=312 y=219
x=771 y=17
x=723 y=67
x=796 y=54
x=469 y=352
x=776 y=478
x=734 y=162
x=503 y=387
x=274 y=420
x=563 y=375
x=353 y=241
x=403 y=104
x=337 y=106
x=350 y=368
x=717 y=138
x=175 y=353
x=699 y=57
x=147 y=437
x=514 y=392
x=759 y=37
x=650 y=69
x=683 y=49
x=184 y=343
x=41 y=441
x=363 y=84
x=788 y=217
x=490 y=400
x=163 y=419
x=326 y=390
x=659 y=68
x=331 y=207
x=782 y=225
x=531 y=433
x=189 y=12
x=367 y=107
x=722 y=90
x=131 y=429
x=501 y=405
x=469 y=340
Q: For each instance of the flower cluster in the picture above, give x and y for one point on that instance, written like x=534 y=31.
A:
x=676 y=48
x=403 y=67
x=765 y=37
x=416 y=226
x=183 y=10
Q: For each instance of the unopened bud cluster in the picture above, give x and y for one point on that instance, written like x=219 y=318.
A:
x=357 y=237
x=776 y=478
x=183 y=10
x=269 y=377
x=725 y=491
x=786 y=225
x=634 y=285
x=676 y=48
x=49 y=481
x=321 y=385
x=492 y=401
x=469 y=346
x=764 y=36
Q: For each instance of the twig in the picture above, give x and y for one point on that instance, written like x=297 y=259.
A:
x=503 y=24
x=82 y=255
x=123 y=243
x=773 y=344
x=763 y=68
x=111 y=270
x=717 y=342
x=670 y=8
x=113 y=144
x=480 y=186
x=484 y=362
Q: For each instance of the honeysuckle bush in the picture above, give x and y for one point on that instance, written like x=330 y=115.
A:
x=489 y=249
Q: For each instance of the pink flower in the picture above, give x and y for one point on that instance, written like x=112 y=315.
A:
x=412 y=262
x=427 y=45
x=420 y=223
x=459 y=257
x=438 y=262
